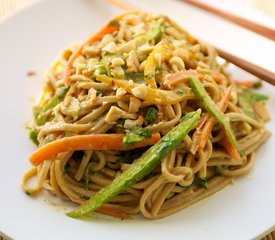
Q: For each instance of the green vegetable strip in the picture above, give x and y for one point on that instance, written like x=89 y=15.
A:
x=257 y=96
x=135 y=135
x=140 y=167
x=156 y=30
x=33 y=136
x=221 y=169
x=136 y=77
x=57 y=98
x=212 y=108
x=151 y=114
x=257 y=84
x=245 y=101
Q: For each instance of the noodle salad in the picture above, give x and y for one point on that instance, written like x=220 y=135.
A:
x=142 y=119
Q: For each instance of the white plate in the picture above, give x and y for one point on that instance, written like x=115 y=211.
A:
x=30 y=40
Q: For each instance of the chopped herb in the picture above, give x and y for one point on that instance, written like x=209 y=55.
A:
x=84 y=197
x=120 y=122
x=156 y=30
x=204 y=182
x=47 y=140
x=66 y=134
x=99 y=92
x=179 y=90
x=200 y=181
x=136 y=134
x=33 y=136
x=257 y=85
x=151 y=114
x=125 y=158
x=242 y=154
x=86 y=175
x=149 y=75
x=101 y=70
x=161 y=71
x=28 y=193
x=136 y=77
x=221 y=169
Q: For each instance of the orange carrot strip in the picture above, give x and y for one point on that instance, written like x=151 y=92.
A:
x=229 y=148
x=175 y=79
x=250 y=84
x=218 y=76
x=225 y=99
x=109 y=28
x=203 y=120
x=112 y=212
x=202 y=135
x=179 y=77
x=205 y=132
x=87 y=142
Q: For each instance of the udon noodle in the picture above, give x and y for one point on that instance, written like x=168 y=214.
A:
x=150 y=53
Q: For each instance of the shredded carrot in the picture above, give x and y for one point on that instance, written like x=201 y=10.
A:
x=250 y=84
x=225 y=99
x=202 y=135
x=109 y=28
x=203 y=132
x=203 y=120
x=229 y=148
x=179 y=77
x=114 y=212
x=175 y=79
x=87 y=142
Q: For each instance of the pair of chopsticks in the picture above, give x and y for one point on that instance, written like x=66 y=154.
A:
x=257 y=71
x=252 y=26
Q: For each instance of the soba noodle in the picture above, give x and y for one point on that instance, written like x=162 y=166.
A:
x=76 y=102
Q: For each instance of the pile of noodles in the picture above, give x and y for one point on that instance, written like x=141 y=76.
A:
x=90 y=106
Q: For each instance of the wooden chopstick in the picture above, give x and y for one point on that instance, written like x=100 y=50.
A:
x=252 y=26
x=257 y=71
